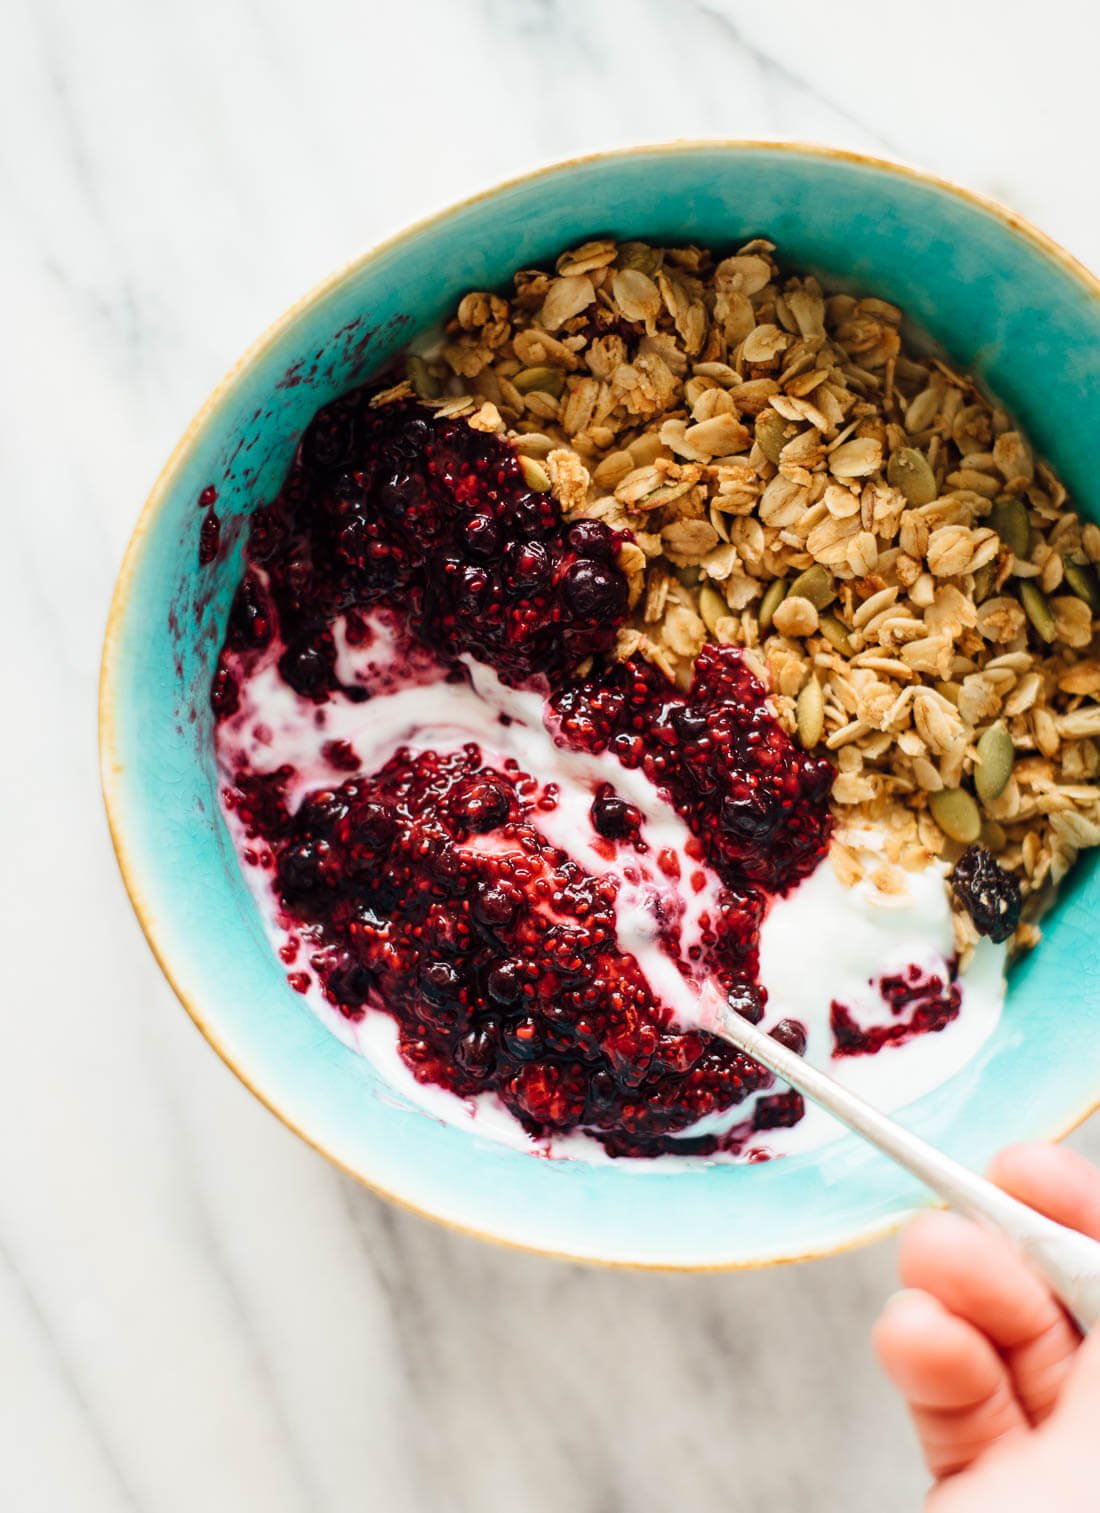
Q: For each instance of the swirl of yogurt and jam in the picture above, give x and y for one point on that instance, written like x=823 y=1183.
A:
x=503 y=864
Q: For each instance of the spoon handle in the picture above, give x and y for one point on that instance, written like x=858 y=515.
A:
x=1069 y=1261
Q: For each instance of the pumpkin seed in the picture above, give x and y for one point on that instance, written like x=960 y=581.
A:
x=712 y=607
x=815 y=584
x=774 y=595
x=993 y=836
x=1081 y=578
x=996 y=756
x=1037 y=609
x=950 y=690
x=1008 y=517
x=771 y=434
x=423 y=381
x=809 y=712
x=910 y=471
x=957 y=815
x=836 y=633
x=638 y=255
x=983 y=581
x=546 y=380
x=535 y=475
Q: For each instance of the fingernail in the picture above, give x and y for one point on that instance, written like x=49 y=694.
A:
x=904 y=1295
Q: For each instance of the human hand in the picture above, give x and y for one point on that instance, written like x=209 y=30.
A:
x=1003 y=1392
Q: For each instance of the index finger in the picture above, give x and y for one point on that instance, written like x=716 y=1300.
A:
x=979 y=1276
x=1054 y=1180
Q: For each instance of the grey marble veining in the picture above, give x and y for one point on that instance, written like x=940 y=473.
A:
x=197 y=1312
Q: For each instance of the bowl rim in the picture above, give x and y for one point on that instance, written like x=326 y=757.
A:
x=111 y=770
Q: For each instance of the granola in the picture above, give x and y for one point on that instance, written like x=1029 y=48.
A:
x=802 y=482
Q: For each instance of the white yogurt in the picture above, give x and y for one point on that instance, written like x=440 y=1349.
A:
x=822 y=942
x=827 y=942
x=444 y=717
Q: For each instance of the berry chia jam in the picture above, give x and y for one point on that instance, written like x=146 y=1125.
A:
x=470 y=817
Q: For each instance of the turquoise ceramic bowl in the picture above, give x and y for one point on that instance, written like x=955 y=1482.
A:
x=1003 y=300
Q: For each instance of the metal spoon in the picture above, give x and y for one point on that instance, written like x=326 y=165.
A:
x=1067 y=1260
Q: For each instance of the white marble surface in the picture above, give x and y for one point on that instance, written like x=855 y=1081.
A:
x=196 y=1312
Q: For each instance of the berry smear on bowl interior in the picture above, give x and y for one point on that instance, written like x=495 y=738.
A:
x=669 y=624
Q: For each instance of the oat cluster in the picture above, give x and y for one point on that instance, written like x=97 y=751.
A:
x=861 y=519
